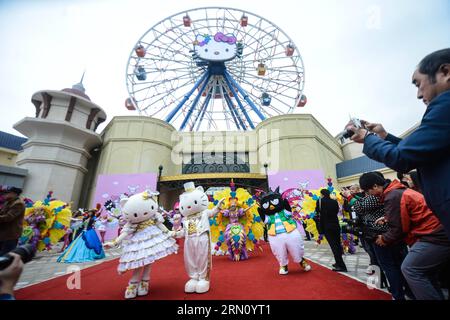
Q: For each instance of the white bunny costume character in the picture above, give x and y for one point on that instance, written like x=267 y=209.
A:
x=197 y=243
x=145 y=240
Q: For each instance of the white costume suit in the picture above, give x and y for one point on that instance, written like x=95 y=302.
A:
x=197 y=246
x=197 y=242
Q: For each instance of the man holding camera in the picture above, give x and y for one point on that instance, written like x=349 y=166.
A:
x=12 y=213
x=427 y=149
x=9 y=277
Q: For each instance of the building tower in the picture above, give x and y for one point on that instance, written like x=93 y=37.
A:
x=60 y=139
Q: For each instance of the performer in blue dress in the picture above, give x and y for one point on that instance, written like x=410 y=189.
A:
x=87 y=245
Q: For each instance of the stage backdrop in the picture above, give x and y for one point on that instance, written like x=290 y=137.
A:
x=114 y=186
x=308 y=179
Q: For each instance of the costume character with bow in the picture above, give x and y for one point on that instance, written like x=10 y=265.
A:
x=196 y=231
x=146 y=240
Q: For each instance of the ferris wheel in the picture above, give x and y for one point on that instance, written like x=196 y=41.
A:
x=215 y=69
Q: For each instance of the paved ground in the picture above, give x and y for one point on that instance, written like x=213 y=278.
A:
x=44 y=265
x=357 y=263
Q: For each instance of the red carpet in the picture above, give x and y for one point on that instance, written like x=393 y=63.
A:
x=253 y=279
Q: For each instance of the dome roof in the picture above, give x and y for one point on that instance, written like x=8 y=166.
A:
x=77 y=92
x=78 y=89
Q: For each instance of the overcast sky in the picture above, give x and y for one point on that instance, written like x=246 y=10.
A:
x=358 y=55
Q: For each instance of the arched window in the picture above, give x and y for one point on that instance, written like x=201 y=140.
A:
x=217 y=162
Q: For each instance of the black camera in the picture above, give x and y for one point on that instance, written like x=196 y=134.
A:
x=347 y=133
x=26 y=253
x=352 y=227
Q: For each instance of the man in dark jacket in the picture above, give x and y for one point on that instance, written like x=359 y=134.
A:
x=389 y=258
x=427 y=149
x=11 y=219
x=328 y=210
x=410 y=220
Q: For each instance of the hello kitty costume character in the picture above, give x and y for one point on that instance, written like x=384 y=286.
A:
x=196 y=231
x=145 y=240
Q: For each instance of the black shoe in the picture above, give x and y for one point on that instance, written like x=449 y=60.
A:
x=334 y=265
x=339 y=269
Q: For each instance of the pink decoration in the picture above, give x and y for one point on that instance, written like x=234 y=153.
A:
x=220 y=37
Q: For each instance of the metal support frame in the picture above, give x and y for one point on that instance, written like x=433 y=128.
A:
x=202 y=110
x=233 y=111
x=244 y=94
x=231 y=83
x=231 y=106
x=196 y=100
x=187 y=96
x=238 y=101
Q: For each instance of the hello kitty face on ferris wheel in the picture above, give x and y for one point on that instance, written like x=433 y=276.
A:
x=219 y=48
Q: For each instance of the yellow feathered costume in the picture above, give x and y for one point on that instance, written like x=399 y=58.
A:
x=45 y=222
x=250 y=220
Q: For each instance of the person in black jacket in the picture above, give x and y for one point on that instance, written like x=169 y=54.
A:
x=389 y=258
x=328 y=210
x=427 y=149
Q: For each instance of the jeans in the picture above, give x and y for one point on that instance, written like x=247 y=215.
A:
x=7 y=246
x=374 y=261
x=421 y=267
x=390 y=259
x=368 y=247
